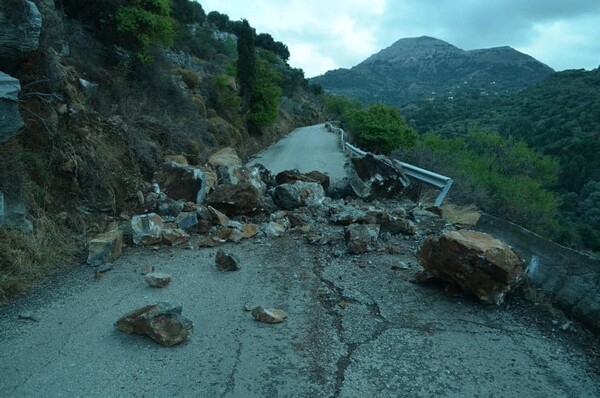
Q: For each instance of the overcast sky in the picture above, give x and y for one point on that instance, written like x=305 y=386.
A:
x=329 y=34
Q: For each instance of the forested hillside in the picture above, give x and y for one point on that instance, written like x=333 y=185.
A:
x=559 y=116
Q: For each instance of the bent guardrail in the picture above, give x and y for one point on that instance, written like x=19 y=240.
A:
x=430 y=178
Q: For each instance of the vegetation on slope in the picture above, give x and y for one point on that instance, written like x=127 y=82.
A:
x=560 y=116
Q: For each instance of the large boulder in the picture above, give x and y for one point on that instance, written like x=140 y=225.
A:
x=162 y=322
x=180 y=181
x=10 y=119
x=474 y=261
x=20 y=28
x=376 y=176
x=292 y=195
x=239 y=199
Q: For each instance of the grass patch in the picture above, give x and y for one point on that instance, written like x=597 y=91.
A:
x=27 y=257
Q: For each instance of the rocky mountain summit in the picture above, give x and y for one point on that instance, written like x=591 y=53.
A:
x=424 y=67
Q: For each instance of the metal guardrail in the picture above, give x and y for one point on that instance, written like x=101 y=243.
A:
x=430 y=178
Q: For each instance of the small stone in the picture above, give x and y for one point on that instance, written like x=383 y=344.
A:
x=250 y=230
x=175 y=236
x=29 y=316
x=268 y=315
x=208 y=241
x=226 y=261
x=146 y=269
x=157 y=279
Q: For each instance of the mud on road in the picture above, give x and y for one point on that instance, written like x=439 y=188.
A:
x=357 y=327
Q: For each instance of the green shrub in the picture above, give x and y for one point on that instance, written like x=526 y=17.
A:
x=145 y=23
x=380 y=129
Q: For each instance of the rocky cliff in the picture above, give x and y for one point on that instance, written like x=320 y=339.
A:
x=424 y=67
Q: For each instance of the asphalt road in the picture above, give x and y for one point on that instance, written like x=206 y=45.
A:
x=306 y=149
x=355 y=328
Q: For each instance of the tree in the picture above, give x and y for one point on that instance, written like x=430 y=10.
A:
x=246 y=63
x=145 y=23
x=188 y=11
x=380 y=128
x=264 y=104
x=266 y=41
x=219 y=20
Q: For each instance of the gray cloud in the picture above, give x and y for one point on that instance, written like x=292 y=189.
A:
x=328 y=34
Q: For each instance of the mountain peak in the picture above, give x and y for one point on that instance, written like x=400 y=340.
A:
x=421 y=67
x=413 y=47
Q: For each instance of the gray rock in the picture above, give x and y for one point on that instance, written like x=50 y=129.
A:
x=183 y=182
x=235 y=200
x=186 y=220
x=226 y=261
x=162 y=322
x=174 y=236
x=290 y=196
x=361 y=238
x=90 y=89
x=170 y=207
x=157 y=279
x=10 y=120
x=105 y=248
x=376 y=176
x=274 y=229
x=20 y=28
x=147 y=229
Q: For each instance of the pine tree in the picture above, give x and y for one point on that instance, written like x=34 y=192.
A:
x=246 y=63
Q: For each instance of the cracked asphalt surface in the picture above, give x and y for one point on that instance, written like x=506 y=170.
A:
x=356 y=327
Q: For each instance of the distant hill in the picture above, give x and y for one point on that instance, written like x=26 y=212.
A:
x=424 y=67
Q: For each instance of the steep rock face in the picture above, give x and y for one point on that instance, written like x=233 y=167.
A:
x=11 y=120
x=424 y=67
x=20 y=27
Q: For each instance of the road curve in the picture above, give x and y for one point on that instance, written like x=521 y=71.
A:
x=306 y=149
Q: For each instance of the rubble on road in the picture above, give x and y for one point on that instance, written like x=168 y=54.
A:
x=236 y=200
x=376 y=176
x=162 y=322
x=269 y=315
x=183 y=182
x=226 y=261
x=474 y=261
x=290 y=196
x=157 y=279
x=361 y=238
x=105 y=248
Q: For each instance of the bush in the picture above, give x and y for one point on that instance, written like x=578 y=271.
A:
x=190 y=78
x=381 y=129
x=145 y=23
